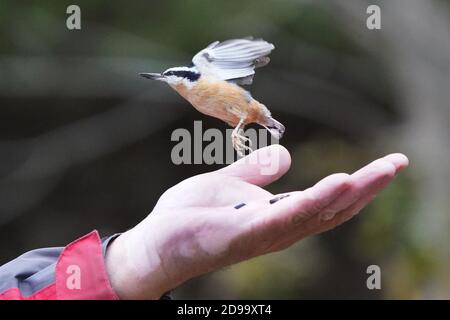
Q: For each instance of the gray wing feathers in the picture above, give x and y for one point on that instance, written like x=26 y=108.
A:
x=234 y=60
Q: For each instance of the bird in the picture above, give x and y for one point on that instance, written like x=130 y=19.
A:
x=212 y=84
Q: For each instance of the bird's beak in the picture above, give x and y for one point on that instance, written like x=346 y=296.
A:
x=153 y=76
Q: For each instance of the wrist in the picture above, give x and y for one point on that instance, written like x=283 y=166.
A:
x=134 y=266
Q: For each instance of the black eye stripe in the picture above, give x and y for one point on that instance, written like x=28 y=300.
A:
x=190 y=75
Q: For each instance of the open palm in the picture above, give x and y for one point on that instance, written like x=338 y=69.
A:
x=223 y=217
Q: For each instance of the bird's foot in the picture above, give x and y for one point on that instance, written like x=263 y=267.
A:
x=238 y=142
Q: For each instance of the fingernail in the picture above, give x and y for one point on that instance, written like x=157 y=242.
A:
x=240 y=205
x=272 y=201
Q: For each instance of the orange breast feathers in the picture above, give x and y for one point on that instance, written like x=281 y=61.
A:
x=223 y=100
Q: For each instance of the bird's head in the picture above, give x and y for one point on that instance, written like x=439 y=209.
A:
x=175 y=76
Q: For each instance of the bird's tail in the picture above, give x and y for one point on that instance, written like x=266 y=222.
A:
x=275 y=128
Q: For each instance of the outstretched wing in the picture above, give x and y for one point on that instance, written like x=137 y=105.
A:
x=233 y=60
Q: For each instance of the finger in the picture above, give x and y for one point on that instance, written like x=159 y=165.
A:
x=364 y=185
x=262 y=166
x=317 y=225
x=400 y=161
x=346 y=214
x=300 y=206
x=357 y=206
x=361 y=188
x=311 y=228
x=364 y=182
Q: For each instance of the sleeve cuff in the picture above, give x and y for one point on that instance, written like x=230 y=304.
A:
x=81 y=271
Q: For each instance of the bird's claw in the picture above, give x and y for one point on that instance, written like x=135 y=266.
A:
x=239 y=141
x=245 y=139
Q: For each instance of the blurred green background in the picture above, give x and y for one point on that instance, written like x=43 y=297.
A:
x=85 y=142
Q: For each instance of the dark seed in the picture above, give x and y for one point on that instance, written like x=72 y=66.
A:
x=272 y=201
x=240 y=205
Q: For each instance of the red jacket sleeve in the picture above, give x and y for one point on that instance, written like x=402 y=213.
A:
x=75 y=272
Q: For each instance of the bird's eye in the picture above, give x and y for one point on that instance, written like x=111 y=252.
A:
x=168 y=73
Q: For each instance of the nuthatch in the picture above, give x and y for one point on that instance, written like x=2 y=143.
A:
x=211 y=84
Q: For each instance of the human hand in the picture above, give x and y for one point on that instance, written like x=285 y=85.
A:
x=195 y=227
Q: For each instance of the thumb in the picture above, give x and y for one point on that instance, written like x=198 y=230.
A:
x=261 y=167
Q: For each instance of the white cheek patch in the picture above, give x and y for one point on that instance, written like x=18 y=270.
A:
x=172 y=80
x=189 y=84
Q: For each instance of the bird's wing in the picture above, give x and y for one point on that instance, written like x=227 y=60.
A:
x=233 y=60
